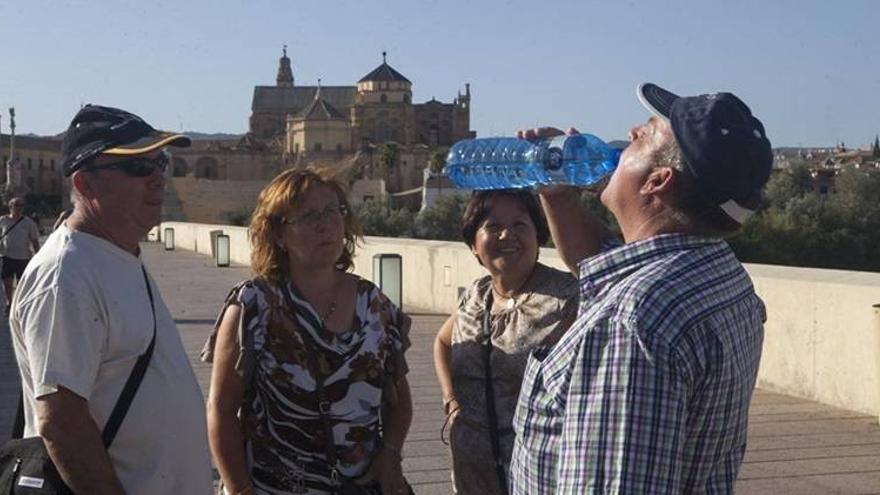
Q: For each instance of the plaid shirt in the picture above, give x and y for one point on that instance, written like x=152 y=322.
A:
x=649 y=390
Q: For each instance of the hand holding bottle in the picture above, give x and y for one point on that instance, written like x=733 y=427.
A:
x=546 y=157
x=543 y=133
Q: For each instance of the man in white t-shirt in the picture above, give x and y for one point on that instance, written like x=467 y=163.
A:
x=19 y=235
x=82 y=316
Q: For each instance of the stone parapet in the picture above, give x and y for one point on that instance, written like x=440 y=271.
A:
x=822 y=338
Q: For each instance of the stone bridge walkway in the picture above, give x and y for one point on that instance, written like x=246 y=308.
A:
x=795 y=446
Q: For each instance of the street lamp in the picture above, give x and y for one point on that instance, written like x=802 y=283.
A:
x=169 y=239
x=388 y=275
x=222 y=250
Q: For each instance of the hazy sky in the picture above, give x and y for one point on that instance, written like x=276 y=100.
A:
x=809 y=69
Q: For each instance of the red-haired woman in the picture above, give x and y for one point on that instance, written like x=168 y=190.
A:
x=309 y=391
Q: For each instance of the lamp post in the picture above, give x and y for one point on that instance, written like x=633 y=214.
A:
x=222 y=250
x=388 y=275
x=11 y=162
x=168 y=237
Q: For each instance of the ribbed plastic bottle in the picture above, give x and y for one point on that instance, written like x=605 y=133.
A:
x=503 y=163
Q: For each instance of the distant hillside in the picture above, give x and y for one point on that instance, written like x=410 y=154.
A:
x=217 y=136
x=802 y=149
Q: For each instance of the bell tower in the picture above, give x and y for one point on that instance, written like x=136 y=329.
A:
x=285 y=73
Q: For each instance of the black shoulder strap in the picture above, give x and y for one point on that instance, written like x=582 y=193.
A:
x=18 y=426
x=491 y=412
x=128 y=392
x=13 y=226
x=134 y=379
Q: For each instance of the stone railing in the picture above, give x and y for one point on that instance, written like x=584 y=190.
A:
x=822 y=338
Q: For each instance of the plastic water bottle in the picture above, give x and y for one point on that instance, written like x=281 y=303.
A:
x=503 y=163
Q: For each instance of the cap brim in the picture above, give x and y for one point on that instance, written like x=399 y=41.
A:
x=149 y=143
x=656 y=99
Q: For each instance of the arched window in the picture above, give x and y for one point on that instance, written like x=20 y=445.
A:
x=339 y=148
x=406 y=98
x=206 y=168
x=383 y=98
x=180 y=168
x=317 y=147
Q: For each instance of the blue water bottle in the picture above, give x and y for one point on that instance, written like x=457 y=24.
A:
x=503 y=163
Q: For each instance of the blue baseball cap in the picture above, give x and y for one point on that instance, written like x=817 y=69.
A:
x=97 y=130
x=725 y=148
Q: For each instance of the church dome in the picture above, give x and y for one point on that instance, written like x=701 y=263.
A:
x=384 y=73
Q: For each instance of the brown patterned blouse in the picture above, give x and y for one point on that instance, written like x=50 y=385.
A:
x=286 y=447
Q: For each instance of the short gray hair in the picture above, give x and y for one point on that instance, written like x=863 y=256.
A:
x=670 y=156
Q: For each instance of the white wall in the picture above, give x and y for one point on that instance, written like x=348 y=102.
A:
x=822 y=337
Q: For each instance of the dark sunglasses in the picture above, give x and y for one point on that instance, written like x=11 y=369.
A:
x=137 y=167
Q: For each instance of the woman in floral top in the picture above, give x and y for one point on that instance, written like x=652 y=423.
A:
x=301 y=338
x=519 y=305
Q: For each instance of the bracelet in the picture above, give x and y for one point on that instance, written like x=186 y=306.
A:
x=446 y=403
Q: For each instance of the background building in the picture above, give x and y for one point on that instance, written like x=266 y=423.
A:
x=371 y=133
x=342 y=119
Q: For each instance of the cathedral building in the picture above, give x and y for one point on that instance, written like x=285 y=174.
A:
x=323 y=121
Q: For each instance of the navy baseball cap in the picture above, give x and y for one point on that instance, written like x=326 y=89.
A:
x=98 y=130
x=725 y=148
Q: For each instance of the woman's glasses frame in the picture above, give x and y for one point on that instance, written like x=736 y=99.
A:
x=313 y=218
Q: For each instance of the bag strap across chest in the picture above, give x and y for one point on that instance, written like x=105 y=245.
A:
x=123 y=403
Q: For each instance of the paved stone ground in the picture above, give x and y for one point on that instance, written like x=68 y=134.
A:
x=795 y=446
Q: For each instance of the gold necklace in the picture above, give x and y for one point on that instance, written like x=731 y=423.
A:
x=511 y=300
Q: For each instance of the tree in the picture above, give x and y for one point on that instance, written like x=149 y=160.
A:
x=442 y=220
x=803 y=229
x=380 y=219
x=875 y=150
x=786 y=185
x=437 y=160
x=388 y=155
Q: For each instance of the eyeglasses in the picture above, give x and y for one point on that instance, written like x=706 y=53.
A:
x=313 y=218
x=138 y=166
x=518 y=228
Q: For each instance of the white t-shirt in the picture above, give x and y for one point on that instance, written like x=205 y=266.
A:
x=81 y=317
x=17 y=244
